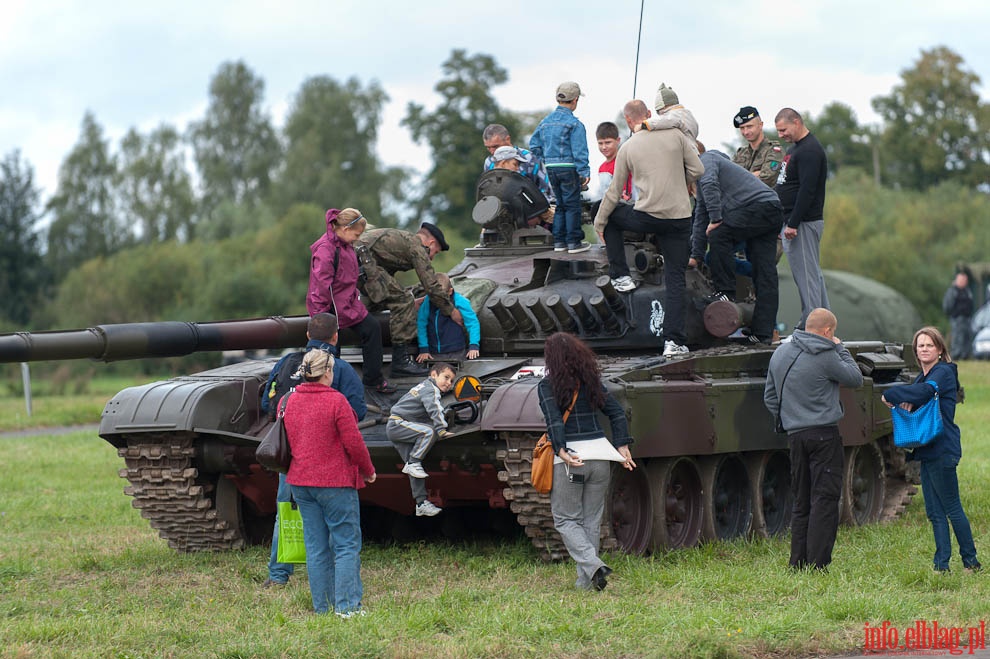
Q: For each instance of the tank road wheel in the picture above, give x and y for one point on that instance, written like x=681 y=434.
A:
x=863 y=485
x=678 y=508
x=770 y=478
x=630 y=509
x=728 y=506
x=902 y=479
x=189 y=511
x=531 y=508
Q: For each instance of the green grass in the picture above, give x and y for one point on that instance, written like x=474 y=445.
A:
x=82 y=574
x=78 y=401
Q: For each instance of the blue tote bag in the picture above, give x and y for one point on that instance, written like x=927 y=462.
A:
x=918 y=427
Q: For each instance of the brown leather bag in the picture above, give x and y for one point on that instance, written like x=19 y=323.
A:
x=542 y=473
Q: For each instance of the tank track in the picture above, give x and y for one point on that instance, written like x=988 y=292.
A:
x=902 y=480
x=531 y=508
x=170 y=494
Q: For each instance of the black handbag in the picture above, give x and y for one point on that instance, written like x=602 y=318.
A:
x=274 y=452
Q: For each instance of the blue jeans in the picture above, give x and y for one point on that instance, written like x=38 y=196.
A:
x=940 y=486
x=332 y=534
x=279 y=572
x=567 y=217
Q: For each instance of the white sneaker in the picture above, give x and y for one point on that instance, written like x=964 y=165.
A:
x=670 y=349
x=352 y=614
x=415 y=469
x=560 y=247
x=624 y=284
x=427 y=509
x=582 y=246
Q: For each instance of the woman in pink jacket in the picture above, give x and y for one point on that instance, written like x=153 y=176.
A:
x=333 y=275
x=330 y=462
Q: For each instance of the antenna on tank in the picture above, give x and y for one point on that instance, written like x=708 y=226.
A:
x=639 y=38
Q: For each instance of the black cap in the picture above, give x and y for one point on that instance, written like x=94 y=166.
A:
x=745 y=114
x=435 y=231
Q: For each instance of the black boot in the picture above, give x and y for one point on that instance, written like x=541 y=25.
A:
x=404 y=364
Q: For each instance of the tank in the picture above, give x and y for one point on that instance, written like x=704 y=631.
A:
x=711 y=466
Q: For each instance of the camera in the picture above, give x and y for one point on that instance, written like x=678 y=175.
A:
x=575 y=478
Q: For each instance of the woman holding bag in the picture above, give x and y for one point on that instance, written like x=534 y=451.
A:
x=939 y=458
x=582 y=453
x=330 y=462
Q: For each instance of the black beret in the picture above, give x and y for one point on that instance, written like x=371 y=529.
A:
x=745 y=114
x=435 y=231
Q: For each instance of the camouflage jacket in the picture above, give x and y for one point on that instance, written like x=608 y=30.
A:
x=396 y=250
x=766 y=159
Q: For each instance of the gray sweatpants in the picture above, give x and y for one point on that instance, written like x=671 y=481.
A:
x=803 y=257
x=413 y=441
x=577 y=514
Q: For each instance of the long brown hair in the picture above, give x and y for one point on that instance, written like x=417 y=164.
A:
x=570 y=364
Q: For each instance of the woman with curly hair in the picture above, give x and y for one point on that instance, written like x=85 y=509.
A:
x=582 y=453
x=939 y=459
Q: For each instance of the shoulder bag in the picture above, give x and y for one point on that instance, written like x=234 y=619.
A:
x=274 y=452
x=542 y=473
x=778 y=426
x=920 y=426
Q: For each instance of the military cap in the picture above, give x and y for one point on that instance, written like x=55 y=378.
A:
x=435 y=231
x=747 y=113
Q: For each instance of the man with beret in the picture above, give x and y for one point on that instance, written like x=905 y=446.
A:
x=497 y=136
x=383 y=252
x=761 y=156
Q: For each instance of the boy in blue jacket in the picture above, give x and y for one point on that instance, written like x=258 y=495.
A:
x=562 y=143
x=440 y=337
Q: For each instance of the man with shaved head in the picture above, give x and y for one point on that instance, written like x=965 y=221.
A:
x=801 y=188
x=802 y=392
x=662 y=163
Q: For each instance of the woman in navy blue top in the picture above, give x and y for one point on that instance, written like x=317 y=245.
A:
x=582 y=468
x=939 y=458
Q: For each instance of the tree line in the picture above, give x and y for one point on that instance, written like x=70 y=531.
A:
x=214 y=221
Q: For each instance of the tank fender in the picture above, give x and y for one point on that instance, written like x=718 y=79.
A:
x=224 y=401
x=514 y=407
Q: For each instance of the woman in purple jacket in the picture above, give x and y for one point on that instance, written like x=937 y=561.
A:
x=939 y=458
x=333 y=275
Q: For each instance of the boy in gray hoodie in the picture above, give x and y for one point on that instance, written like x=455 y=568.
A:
x=414 y=425
x=802 y=388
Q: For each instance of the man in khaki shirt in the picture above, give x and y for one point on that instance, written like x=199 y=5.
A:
x=761 y=156
x=662 y=164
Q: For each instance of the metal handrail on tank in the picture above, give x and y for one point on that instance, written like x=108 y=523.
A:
x=157 y=339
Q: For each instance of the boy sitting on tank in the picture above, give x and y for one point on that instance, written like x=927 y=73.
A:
x=415 y=424
x=440 y=338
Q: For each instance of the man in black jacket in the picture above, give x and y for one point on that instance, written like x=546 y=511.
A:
x=801 y=188
x=957 y=303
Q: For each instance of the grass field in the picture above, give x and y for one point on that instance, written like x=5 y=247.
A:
x=83 y=575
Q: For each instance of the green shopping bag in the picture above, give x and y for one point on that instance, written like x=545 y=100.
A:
x=291 y=548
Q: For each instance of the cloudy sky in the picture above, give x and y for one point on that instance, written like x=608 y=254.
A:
x=145 y=63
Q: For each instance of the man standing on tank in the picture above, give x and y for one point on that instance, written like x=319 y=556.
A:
x=802 y=390
x=801 y=188
x=662 y=163
x=761 y=156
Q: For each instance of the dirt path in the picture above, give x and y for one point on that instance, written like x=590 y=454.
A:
x=59 y=430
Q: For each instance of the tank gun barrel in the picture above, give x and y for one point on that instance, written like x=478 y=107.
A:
x=159 y=339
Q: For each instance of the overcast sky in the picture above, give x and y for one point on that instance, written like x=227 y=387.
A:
x=145 y=63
